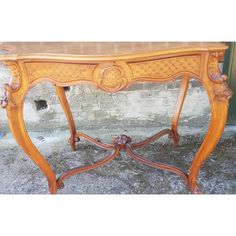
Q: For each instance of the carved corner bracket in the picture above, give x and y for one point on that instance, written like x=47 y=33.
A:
x=7 y=98
x=12 y=85
x=214 y=70
x=221 y=90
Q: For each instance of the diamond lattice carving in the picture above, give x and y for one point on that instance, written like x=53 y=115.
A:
x=165 y=68
x=63 y=72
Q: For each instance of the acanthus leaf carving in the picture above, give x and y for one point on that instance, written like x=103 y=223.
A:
x=214 y=69
x=223 y=93
x=221 y=90
x=7 y=98
x=12 y=85
x=15 y=74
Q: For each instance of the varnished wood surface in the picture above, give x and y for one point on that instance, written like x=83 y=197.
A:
x=101 y=48
x=113 y=67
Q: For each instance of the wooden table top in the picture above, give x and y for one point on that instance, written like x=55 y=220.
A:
x=100 y=48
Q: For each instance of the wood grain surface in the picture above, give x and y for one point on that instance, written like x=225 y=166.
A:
x=113 y=67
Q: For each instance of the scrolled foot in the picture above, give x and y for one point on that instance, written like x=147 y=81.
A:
x=185 y=179
x=60 y=185
x=176 y=137
x=195 y=188
x=72 y=141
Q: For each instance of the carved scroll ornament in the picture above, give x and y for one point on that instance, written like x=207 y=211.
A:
x=12 y=85
x=214 y=69
x=7 y=98
x=223 y=93
x=221 y=90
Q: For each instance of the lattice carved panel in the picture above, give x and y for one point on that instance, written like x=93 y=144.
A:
x=165 y=68
x=62 y=72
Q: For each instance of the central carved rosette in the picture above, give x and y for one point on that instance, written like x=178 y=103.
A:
x=112 y=77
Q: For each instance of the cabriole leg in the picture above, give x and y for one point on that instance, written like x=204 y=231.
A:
x=219 y=95
x=184 y=84
x=66 y=108
x=17 y=126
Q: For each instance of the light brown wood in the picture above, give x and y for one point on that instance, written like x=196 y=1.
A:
x=109 y=49
x=17 y=126
x=113 y=67
x=219 y=95
x=178 y=107
x=65 y=106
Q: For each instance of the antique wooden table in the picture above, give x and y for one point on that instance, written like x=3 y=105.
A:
x=113 y=67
